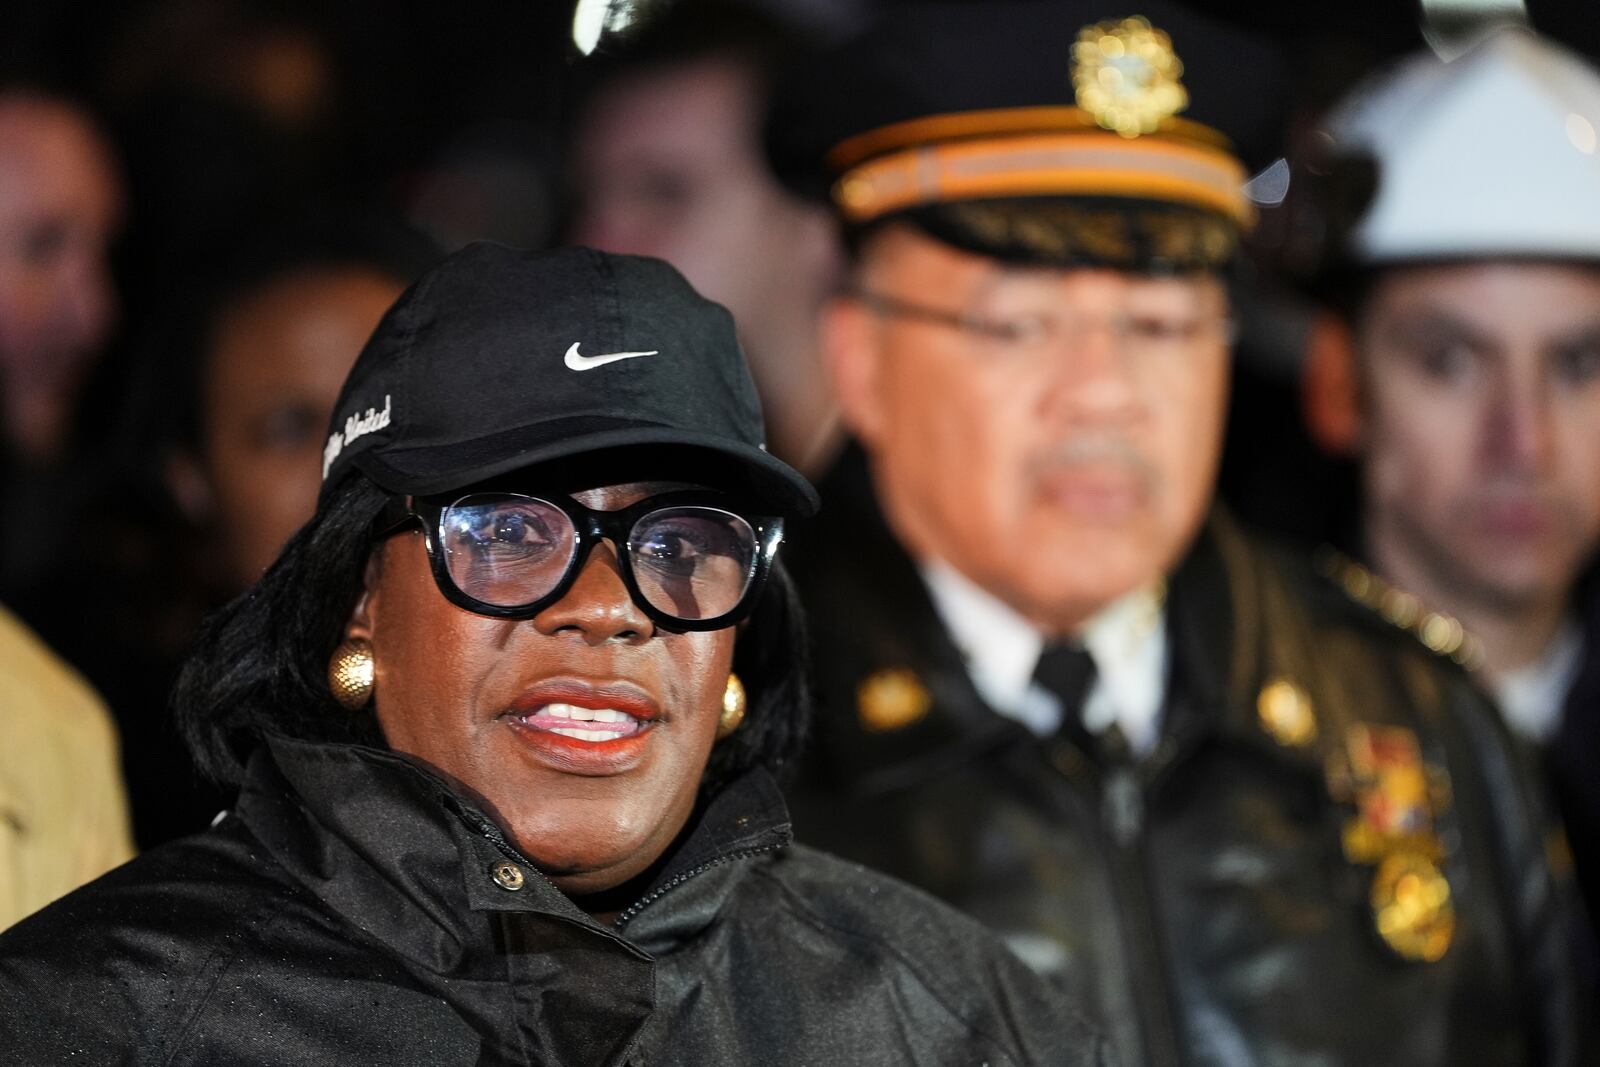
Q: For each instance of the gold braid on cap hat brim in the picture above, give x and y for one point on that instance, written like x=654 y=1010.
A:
x=1031 y=152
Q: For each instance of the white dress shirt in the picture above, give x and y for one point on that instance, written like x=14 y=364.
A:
x=1127 y=640
x=1532 y=698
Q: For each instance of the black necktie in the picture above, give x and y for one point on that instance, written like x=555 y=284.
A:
x=1067 y=671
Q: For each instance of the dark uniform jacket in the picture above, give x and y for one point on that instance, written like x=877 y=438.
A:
x=1571 y=761
x=1353 y=875
x=353 y=911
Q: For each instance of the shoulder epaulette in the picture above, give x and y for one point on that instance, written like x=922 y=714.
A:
x=1439 y=632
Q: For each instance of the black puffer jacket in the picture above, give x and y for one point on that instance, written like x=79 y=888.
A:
x=353 y=910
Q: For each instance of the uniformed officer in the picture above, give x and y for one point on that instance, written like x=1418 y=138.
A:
x=1246 y=817
x=1461 y=363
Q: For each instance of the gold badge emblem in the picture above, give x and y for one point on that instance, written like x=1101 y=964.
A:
x=1411 y=907
x=891 y=700
x=1285 y=712
x=1125 y=75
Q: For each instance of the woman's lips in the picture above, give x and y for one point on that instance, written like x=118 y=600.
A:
x=583 y=724
x=580 y=727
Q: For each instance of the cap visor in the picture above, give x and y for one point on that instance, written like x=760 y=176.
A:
x=727 y=464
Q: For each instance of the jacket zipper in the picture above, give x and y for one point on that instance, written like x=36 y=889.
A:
x=662 y=890
x=492 y=834
x=1122 y=801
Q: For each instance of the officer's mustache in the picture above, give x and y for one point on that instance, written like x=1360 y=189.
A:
x=1100 y=452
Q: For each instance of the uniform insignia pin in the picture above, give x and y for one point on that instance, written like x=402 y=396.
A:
x=891 y=699
x=1285 y=711
x=1125 y=75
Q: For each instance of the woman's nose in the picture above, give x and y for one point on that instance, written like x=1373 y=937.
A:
x=597 y=606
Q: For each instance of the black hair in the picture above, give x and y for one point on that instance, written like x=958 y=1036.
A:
x=260 y=664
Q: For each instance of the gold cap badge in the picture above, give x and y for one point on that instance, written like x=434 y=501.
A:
x=1285 y=712
x=891 y=699
x=1125 y=75
x=1411 y=907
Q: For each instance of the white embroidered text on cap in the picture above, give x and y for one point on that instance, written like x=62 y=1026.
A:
x=355 y=426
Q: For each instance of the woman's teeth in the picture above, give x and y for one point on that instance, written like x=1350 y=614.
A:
x=584 y=724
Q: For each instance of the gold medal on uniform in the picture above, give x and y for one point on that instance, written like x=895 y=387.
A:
x=1393 y=791
x=1411 y=907
x=891 y=699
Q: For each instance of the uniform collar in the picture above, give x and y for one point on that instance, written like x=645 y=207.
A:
x=1127 y=640
x=999 y=646
x=1532 y=697
x=883 y=620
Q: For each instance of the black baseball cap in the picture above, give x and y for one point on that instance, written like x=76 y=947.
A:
x=500 y=359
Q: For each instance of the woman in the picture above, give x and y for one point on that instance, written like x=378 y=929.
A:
x=504 y=796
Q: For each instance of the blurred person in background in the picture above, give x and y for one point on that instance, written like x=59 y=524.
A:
x=666 y=160
x=1186 y=776
x=60 y=204
x=247 y=461
x=63 y=817
x=218 y=464
x=1460 y=364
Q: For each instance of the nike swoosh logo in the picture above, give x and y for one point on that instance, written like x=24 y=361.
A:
x=577 y=362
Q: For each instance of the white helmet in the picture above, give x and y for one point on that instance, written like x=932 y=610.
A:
x=1493 y=153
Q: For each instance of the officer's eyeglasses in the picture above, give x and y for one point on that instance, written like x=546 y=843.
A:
x=1135 y=333
x=687 y=561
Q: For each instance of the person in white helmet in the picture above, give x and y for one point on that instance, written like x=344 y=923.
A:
x=1460 y=365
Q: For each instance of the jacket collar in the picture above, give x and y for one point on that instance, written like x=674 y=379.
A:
x=748 y=817
x=882 y=619
x=388 y=845
x=1243 y=616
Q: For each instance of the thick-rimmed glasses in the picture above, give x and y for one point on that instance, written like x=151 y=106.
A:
x=1135 y=333
x=687 y=561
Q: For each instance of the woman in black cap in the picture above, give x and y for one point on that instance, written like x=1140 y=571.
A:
x=502 y=716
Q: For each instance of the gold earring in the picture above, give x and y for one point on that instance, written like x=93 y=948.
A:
x=733 y=705
x=350 y=673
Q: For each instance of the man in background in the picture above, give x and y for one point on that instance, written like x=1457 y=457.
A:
x=667 y=161
x=1242 y=815
x=1460 y=364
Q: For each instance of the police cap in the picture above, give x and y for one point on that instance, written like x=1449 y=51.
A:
x=1039 y=131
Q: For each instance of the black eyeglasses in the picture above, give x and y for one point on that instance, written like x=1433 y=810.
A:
x=687 y=561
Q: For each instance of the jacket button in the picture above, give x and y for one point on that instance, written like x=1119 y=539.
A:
x=1067 y=759
x=509 y=876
